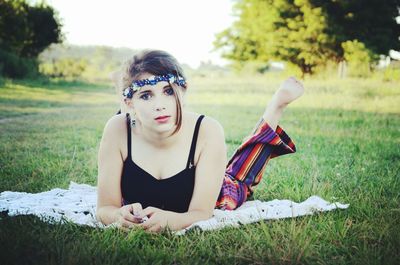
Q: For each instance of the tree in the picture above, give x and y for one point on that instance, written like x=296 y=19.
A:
x=371 y=22
x=67 y=68
x=307 y=33
x=25 y=31
x=358 y=58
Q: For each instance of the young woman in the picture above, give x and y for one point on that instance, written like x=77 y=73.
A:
x=162 y=166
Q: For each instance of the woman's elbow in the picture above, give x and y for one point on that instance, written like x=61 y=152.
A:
x=208 y=214
x=98 y=215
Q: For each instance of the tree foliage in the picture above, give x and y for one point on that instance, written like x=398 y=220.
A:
x=371 y=22
x=25 y=31
x=307 y=33
x=66 y=68
x=358 y=58
x=89 y=63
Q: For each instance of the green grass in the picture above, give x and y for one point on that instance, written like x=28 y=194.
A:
x=347 y=133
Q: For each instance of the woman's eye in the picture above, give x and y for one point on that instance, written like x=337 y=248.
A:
x=169 y=91
x=145 y=96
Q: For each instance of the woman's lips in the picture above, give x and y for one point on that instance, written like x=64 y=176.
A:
x=162 y=119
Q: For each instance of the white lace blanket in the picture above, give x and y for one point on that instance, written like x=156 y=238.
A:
x=78 y=204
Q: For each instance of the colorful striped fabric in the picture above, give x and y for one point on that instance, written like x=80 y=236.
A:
x=246 y=166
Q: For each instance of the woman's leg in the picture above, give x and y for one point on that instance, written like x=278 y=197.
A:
x=246 y=167
x=289 y=91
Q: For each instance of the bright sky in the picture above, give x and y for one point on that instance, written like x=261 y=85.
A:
x=186 y=29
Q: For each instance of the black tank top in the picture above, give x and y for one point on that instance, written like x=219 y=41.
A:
x=172 y=194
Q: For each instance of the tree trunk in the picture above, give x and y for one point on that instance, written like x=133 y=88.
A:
x=342 y=69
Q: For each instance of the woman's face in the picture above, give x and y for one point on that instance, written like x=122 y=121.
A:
x=155 y=106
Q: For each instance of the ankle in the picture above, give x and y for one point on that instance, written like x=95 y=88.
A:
x=277 y=104
x=273 y=112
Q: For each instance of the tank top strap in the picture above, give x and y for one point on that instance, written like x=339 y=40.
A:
x=190 y=162
x=128 y=126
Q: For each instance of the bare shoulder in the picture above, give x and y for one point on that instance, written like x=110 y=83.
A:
x=115 y=128
x=116 y=123
x=210 y=131
x=210 y=127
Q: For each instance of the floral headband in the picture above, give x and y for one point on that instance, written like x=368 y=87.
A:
x=170 y=78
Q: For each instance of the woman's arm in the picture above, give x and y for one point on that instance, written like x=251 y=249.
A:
x=109 y=172
x=210 y=170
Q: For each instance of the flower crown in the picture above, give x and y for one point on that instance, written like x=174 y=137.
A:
x=170 y=78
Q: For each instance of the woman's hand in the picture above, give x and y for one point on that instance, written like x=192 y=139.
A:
x=159 y=220
x=128 y=216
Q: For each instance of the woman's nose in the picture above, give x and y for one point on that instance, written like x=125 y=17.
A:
x=159 y=105
x=160 y=108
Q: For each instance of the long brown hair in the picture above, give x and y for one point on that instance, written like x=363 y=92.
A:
x=155 y=62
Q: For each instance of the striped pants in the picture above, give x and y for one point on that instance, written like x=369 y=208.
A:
x=246 y=167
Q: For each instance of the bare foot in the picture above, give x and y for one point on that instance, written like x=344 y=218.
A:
x=289 y=90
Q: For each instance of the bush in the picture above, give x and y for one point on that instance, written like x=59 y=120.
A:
x=68 y=68
x=390 y=73
x=358 y=57
x=14 y=66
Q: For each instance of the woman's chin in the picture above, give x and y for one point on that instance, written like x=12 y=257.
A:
x=165 y=127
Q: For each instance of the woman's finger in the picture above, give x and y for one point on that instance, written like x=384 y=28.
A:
x=149 y=223
x=155 y=228
x=127 y=215
x=128 y=224
x=146 y=225
x=148 y=211
x=136 y=208
x=137 y=212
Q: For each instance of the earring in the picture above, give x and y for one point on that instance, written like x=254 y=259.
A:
x=133 y=120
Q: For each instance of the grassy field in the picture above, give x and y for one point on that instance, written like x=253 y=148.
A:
x=347 y=133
